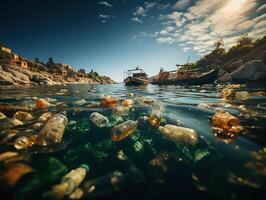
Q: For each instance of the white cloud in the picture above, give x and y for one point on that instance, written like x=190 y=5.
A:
x=200 y=25
x=105 y=3
x=168 y=40
x=181 y=4
x=104 y=16
x=140 y=11
x=262 y=7
x=136 y=19
x=163 y=6
x=149 y=5
x=185 y=49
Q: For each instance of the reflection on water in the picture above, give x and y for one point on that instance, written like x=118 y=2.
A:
x=130 y=148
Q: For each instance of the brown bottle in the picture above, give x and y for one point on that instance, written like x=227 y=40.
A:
x=123 y=130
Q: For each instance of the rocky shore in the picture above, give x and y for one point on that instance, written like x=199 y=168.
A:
x=16 y=75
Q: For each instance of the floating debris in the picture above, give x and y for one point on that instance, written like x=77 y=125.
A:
x=179 y=134
x=123 y=130
x=23 y=116
x=42 y=104
x=99 y=120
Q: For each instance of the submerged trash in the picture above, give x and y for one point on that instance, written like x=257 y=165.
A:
x=123 y=130
x=23 y=116
x=13 y=173
x=225 y=121
x=2 y=116
x=42 y=104
x=99 y=120
x=156 y=116
x=242 y=95
x=24 y=142
x=109 y=102
x=127 y=102
x=179 y=134
x=104 y=185
x=53 y=130
x=44 y=117
x=70 y=182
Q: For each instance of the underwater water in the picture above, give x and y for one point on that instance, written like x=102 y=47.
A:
x=143 y=158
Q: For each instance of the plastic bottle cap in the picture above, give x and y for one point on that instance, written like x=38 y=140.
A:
x=85 y=166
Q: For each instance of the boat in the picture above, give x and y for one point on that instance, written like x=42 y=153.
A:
x=136 y=77
x=192 y=77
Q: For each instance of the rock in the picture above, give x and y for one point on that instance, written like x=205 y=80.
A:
x=234 y=65
x=225 y=78
x=254 y=70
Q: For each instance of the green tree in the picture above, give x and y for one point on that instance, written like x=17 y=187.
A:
x=244 y=40
x=161 y=70
x=36 y=60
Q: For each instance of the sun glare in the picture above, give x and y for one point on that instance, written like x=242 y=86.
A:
x=233 y=5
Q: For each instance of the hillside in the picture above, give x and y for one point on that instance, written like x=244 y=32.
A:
x=16 y=70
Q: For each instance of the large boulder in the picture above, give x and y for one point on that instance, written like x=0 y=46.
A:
x=234 y=65
x=254 y=70
x=225 y=78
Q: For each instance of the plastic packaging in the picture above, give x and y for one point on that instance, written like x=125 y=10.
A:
x=99 y=120
x=53 y=130
x=242 y=95
x=123 y=130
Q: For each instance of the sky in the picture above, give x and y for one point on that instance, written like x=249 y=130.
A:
x=115 y=35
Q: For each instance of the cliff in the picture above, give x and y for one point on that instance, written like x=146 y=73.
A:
x=15 y=70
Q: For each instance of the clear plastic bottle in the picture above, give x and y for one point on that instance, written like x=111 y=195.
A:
x=179 y=134
x=156 y=116
x=53 y=130
x=123 y=130
x=70 y=182
x=99 y=120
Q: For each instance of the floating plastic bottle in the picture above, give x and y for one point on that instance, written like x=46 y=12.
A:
x=224 y=120
x=70 y=182
x=104 y=185
x=242 y=95
x=44 y=117
x=109 y=101
x=179 y=135
x=156 y=116
x=99 y=120
x=53 y=130
x=127 y=102
x=42 y=104
x=23 y=116
x=123 y=130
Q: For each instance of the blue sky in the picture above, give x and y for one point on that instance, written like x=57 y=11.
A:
x=115 y=35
